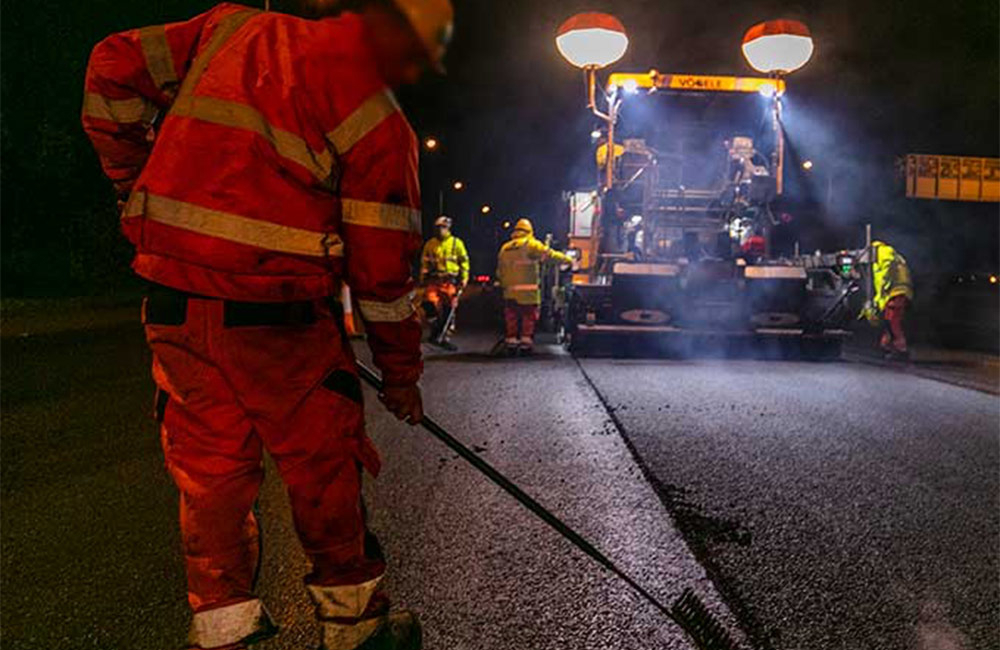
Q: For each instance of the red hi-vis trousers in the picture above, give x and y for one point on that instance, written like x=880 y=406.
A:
x=893 y=335
x=233 y=380
x=519 y=322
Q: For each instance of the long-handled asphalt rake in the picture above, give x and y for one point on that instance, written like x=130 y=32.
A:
x=443 y=334
x=687 y=611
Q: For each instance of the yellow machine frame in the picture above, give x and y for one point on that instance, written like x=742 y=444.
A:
x=696 y=82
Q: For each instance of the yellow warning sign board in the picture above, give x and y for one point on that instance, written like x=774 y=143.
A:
x=955 y=178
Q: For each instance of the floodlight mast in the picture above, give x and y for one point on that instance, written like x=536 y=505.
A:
x=614 y=101
x=778 y=155
x=778 y=47
x=591 y=41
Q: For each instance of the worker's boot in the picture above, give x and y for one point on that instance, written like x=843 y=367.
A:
x=885 y=343
x=526 y=347
x=400 y=631
x=265 y=628
x=396 y=631
x=511 y=347
x=897 y=354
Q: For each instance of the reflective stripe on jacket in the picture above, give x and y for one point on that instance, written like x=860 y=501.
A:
x=518 y=268
x=891 y=276
x=445 y=257
x=283 y=164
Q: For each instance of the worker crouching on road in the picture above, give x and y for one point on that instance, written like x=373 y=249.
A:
x=444 y=272
x=518 y=269
x=893 y=295
x=282 y=168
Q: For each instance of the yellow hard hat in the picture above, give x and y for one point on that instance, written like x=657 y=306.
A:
x=432 y=21
x=602 y=153
x=882 y=250
x=524 y=225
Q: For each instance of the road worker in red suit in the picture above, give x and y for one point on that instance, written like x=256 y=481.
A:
x=262 y=161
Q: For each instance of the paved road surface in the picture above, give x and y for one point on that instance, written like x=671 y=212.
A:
x=833 y=505
x=837 y=505
x=90 y=551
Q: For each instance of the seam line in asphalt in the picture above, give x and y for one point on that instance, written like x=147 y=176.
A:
x=970 y=384
x=747 y=623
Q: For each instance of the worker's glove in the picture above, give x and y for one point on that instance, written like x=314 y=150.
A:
x=870 y=314
x=122 y=191
x=404 y=402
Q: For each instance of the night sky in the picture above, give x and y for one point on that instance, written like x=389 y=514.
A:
x=887 y=78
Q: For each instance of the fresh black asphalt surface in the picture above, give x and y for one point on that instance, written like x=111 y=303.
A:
x=833 y=505
x=836 y=505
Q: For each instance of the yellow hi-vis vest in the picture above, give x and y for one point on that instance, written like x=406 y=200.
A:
x=518 y=268
x=445 y=257
x=891 y=275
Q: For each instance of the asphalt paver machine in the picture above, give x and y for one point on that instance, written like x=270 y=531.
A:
x=675 y=242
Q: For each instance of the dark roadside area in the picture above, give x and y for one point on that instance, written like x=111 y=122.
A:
x=954 y=333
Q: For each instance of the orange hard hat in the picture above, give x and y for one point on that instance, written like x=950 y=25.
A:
x=432 y=20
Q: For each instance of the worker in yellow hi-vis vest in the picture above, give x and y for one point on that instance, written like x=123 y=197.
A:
x=518 y=269
x=444 y=272
x=892 y=296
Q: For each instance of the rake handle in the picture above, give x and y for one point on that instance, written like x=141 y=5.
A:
x=494 y=475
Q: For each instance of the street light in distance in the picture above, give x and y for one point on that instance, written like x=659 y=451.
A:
x=807 y=165
x=431 y=143
x=457 y=185
x=485 y=209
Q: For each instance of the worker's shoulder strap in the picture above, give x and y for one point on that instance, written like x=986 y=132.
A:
x=223 y=32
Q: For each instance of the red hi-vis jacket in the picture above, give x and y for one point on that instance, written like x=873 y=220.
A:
x=281 y=167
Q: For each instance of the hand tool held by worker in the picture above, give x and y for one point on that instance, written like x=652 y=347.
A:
x=404 y=402
x=687 y=611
